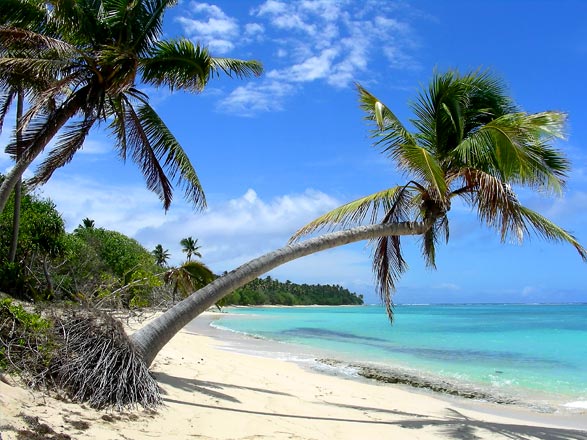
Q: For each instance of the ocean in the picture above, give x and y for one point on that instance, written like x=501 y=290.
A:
x=533 y=355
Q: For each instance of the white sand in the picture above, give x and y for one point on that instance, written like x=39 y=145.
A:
x=210 y=393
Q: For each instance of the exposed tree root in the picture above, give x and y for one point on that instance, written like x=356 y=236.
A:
x=85 y=354
x=98 y=364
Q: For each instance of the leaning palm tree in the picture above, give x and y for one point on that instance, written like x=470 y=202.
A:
x=190 y=276
x=470 y=141
x=190 y=247
x=161 y=255
x=99 y=52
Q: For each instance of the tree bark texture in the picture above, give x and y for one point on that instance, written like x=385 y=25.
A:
x=18 y=186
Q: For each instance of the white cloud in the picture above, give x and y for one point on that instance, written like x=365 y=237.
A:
x=237 y=230
x=315 y=67
x=254 y=29
x=231 y=232
x=124 y=208
x=92 y=146
x=327 y=41
x=216 y=30
x=255 y=97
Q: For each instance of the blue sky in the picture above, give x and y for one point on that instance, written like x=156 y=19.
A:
x=277 y=151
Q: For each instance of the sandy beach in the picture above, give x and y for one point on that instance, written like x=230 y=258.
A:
x=211 y=392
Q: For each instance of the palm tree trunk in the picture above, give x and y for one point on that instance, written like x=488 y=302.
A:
x=49 y=130
x=150 y=339
x=18 y=186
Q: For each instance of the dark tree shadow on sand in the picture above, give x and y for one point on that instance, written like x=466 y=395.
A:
x=461 y=427
x=456 y=426
x=212 y=389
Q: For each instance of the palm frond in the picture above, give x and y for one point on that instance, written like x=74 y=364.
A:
x=497 y=205
x=388 y=261
x=355 y=212
x=550 y=231
x=516 y=147
x=155 y=149
x=31 y=70
x=20 y=39
x=453 y=106
x=177 y=64
x=431 y=238
x=117 y=110
x=138 y=142
x=392 y=132
x=421 y=163
x=199 y=272
x=180 y=64
x=23 y=13
x=388 y=266
x=151 y=25
x=176 y=160
x=6 y=99
x=235 y=67
x=69 y=142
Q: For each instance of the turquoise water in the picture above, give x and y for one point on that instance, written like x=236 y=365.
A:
x=532 y=352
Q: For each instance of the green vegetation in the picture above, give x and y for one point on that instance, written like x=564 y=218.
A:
x=472 y=142
x=73 y=351
x=42 y=241
x=98 y=52
x=268 y=291
x=26 y=342
x=86 y=265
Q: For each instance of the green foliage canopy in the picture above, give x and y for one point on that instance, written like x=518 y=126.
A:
x=268 y=291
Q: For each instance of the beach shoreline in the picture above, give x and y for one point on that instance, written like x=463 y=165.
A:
x=328 y=363
x=212 y=391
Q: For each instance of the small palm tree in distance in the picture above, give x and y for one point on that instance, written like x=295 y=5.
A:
x=190 y=247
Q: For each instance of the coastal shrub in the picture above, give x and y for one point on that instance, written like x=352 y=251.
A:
x=27 y=343
x=40 y=241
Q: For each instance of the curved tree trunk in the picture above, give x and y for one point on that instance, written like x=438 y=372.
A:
x=51 y=127
x=150 y=339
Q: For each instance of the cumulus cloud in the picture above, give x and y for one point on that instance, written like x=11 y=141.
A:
x=335 y=41
x=216 y=29
x=231 y=232
x=234 y=231
x=124 y=208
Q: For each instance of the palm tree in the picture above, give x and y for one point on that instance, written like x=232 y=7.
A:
x=190 y=247
x=88 y=223
x=161 y=255
x=190 y=276
x=18 y=93
x=15 y=87
x=470 y=142
x=98 y=51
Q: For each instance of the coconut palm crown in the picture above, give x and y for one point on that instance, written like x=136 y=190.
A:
x=97 y=52
x=469 y=141
x=190 y=247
